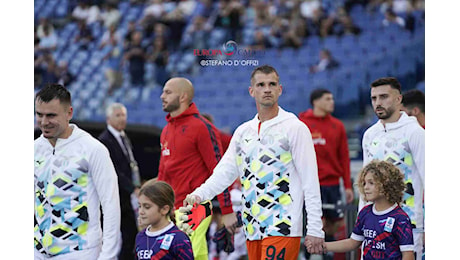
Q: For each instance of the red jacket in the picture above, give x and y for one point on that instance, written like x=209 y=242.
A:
x=190 y=149
x=331 y=147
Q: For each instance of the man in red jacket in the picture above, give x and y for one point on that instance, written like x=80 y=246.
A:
x=190 y=149
x=331 y=147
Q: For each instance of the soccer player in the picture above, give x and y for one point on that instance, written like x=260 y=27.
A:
x=74 y=180
x=398 y=138
x=274 y=157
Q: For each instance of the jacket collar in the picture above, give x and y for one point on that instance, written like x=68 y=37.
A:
x=191 y=110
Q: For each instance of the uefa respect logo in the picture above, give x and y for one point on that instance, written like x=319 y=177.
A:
x=229 y=55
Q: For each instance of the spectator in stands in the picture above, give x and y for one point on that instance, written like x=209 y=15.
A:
x=190 y=149
x=44 y=22
x=204 y=9
x=63 y=75
x=48 y=42
x=285 y=8
x=295 y=34
x=331 y=147
x=110 y=36
x=392 y=18
x=113 y=63
x=160 y=30
x=319 y=23
x=279 y=27
x=110 y=15
x=121 y=152
x=85 y=11
x=413 y=103
x=136 y=55
x=401 y=6
x=308 y=8
x=84 y=36
x=169 y=6
x=343 y=24
x=263 y=18
x=261 y=41
x=152 y=14
x=44 y=68
x=187 y=7
x=176 y=22
x=197 y=34
x=160 y=57
x=129 y=33
x=326 y=62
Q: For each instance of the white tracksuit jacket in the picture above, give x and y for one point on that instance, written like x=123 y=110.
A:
x=403 y=144
x=278 y=172
x=72 y=180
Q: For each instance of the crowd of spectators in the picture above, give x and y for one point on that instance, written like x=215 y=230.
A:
x=166 y=32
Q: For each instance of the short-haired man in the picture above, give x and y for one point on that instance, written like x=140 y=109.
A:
x=399 y=139
x=116 y=140
x=190 y=149
x=413 y=103
x=73 y=178
x=331 y=147
x=274 y=157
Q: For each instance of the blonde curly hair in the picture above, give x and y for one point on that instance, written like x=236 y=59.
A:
x=388 y=179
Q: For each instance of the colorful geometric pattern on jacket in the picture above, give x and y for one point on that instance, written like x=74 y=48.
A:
x=265 y=182
x=61 y=210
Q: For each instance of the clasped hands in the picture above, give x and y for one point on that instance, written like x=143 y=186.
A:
x=315 y=245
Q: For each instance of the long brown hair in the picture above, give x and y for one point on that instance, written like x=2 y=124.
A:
x=160 y=193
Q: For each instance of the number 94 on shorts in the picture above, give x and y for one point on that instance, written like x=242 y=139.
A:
x=274 y=248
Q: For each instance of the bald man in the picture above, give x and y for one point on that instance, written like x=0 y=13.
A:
x=190 y=149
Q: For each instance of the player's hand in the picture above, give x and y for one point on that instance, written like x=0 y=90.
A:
x=230 y=222
x=314 y=245
x=224 y=240
x=349 y=195
x=191 y=199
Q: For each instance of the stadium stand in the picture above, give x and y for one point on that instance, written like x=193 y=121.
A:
x=377 y=51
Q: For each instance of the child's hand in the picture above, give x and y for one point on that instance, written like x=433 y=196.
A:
x=309 y=246
x=315 y=245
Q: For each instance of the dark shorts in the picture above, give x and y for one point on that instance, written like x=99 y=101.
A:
x=330 y=195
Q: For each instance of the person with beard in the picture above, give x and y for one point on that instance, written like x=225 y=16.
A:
x=399 y=139
x=190 y=149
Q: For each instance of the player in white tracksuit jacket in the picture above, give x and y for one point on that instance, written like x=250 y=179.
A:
x=274 y=157
x=278 y=173
x=73 y=178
